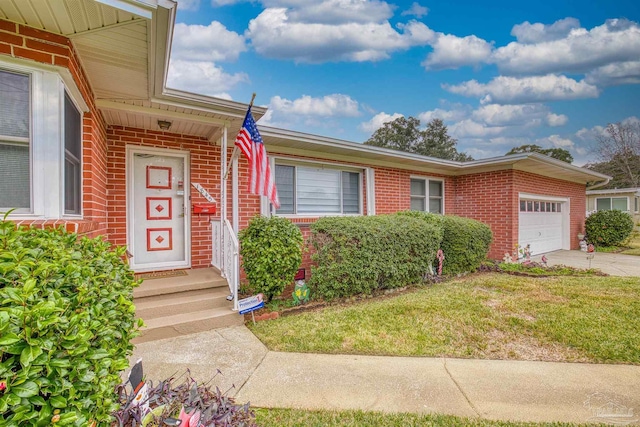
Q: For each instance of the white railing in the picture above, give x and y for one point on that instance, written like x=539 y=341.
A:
x=231 y=254
x=216 y=243
x=226 y=255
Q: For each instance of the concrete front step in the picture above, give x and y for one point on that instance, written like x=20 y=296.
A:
x=183 y=302
x=180 y=305
x=201 y=278
x=188 y=323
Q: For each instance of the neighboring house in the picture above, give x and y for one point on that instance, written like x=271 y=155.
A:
x=622 y=199
x=91 y=139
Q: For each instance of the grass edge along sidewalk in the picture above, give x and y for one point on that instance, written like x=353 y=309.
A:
x=482 y=316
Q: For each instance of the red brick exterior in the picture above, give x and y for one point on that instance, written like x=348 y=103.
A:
x=204 y=167
x=490 y=197
x=31 y=44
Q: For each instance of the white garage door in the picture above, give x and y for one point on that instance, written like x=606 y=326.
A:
x=541 y=225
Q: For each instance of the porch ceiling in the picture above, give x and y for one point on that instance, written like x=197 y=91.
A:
x=206 y=121
x=111 y=37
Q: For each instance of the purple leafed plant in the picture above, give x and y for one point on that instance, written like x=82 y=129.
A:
x=179 y=402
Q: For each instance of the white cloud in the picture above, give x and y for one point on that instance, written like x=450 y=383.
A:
x=471 y=129
x=617 y=40
x=615 y=74
x=526 y=89
x=202 y=77
x=556 y=119
x=273 y=34
x=189 y=4
x=557 y=142
x=378 y=121
x=450 y=51
x=334 y=11
x=416 y=10
x=453 y=115
x=536 y=33
x=516 y=115
x=206 y=43
x=327 y=106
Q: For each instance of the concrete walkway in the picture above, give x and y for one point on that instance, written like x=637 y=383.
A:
x=492 y=389
x=613 y=264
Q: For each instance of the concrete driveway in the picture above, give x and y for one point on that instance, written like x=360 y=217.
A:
x=613 y=264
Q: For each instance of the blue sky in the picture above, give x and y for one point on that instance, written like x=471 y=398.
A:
x=500 y=74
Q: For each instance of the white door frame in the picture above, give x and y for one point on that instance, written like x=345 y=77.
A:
x=131 y=150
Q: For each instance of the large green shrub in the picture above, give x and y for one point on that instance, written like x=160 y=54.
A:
x=465 y=241
x=356 y=255
x=271 y=250
x=608 y=228
x=465 y=244
x=66 y=321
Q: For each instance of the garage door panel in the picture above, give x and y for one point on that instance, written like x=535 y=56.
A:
x=543 y=231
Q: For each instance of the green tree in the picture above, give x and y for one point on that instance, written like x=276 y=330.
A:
x=556 y=153
x=405 y=134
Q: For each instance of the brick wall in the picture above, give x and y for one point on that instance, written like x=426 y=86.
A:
x=525 y=182
x=492 y=197
x=32 y=45
x=204 y=168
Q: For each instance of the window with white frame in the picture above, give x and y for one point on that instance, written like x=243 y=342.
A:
x=427 y=195
x=636 y=206
x=15 y=136
x=309 y=189
x=612 y=203
x=40 y=143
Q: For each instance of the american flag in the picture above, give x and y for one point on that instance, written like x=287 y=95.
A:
x=250 y=143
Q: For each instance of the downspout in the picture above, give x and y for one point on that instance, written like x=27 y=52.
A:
x=600 y=184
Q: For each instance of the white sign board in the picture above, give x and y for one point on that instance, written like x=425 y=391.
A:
x=204 y=192
x=249 y=304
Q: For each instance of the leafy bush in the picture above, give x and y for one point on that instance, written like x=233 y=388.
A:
x=66 y=321
x=357 y=255
x=608 y=228
x=271 y=250
x=465 y=241
x=465 y=244
x=186 y=400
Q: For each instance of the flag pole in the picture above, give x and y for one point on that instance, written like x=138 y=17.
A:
x=236 y=150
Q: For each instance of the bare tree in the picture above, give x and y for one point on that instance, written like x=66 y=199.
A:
x=619 y=147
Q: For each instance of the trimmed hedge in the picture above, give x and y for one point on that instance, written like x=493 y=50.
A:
x=465 y=245
x=465 y=241
x=271 y=250
x=66 y=324
x=608 y=228
x=357 y=255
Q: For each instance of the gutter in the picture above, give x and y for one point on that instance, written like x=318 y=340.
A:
x=600 y=184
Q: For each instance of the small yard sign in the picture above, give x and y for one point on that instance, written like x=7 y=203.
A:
x=249 y=304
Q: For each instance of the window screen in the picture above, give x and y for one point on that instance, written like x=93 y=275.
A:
x=317 y=190
x=15 y=185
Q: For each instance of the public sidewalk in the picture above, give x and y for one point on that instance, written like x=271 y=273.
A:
x=492 y=389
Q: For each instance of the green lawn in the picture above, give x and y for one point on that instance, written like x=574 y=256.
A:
x=493 y=316
x=304 y=418
x=634 y=244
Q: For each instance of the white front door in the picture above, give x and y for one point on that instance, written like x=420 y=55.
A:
x=157 y=217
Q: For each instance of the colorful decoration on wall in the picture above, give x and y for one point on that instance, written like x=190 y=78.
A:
x=301 y=292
